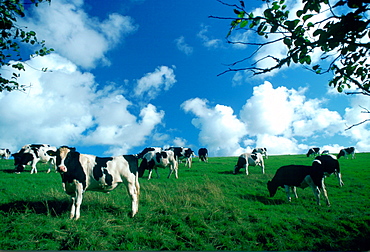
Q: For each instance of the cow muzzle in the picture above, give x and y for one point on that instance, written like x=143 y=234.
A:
x=62 y=168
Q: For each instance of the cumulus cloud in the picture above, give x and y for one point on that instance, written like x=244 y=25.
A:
x=183 y=46
x=65 y=106
x=220 y=129
x=153 y=83
x=70 y=31
x=275 y=118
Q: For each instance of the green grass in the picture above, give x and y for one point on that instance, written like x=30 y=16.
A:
x=207 y=208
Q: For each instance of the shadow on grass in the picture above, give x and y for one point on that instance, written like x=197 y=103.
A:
x=264 y=200
x=47 y=207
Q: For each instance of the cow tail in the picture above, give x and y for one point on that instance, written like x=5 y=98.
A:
x=137 y=185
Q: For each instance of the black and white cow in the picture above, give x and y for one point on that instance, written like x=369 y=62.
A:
x=31 y=154
x=5 y=153
x=292 y=176
x=146 y=150
x=83 y=172
x=203 y=154
x=183 y=153
x=346 y=152
x=313 y=151
x=263 y=151
x=249 y=159
x=154 y=159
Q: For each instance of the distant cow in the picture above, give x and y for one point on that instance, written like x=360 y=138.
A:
x=313 y=151
x=154 y=159
x=292 y=176
x=183 y=153
x=346 y=152
x=263 y=151
x=82 y=172
x=31 y=154
x=146 y=150
x=5 y=153
x=203 y=154
x=249 y=159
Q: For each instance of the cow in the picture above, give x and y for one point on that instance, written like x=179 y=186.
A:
x=347 y=151
x=325 y=152
x=154 y=159
x=146 y=150
x=263 y=151
x=292 y=176
x=203 y=154
x=183 y=153
x=31 y=154
x=313 y=151
x=84 y=172
x=247 y=159
x=5 y=153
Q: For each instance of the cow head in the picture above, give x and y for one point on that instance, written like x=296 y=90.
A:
x=272 y=188
x=63 y=156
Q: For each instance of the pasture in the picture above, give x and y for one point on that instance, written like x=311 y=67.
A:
x=207 y=208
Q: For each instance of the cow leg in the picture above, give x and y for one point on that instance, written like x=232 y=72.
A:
x=133 y=190
x=246 y=169
x=287 y=191
x=316 y=192
x=339 y=176
x=76 y=200
x=294 y=190
x=150 y=174
x=33 y=169
x=263 y=169
x=323 y=190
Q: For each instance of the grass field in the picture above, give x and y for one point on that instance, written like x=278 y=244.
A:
x=207 y=208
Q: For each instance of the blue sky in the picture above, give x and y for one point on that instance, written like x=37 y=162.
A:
x=126 y=75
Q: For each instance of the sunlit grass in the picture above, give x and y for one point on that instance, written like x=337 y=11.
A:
x=207 y=208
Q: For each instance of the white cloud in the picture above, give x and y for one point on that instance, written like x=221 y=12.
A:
x=153 y=83
x=74 y=35
x=182 y=46
x=65 y=106
x=220 y=129
x=275 y=118
x=207 y=41
x=288 y=112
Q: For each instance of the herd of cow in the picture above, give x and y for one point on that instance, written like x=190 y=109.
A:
x=83 y=172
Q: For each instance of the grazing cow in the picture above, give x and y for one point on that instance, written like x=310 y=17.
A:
x=263 y=151
x=347 y=151
x=4 y=153
x=31 y=154
x=203 y=154
x=247 y=159
x=154 y=159
x=146 y=150
x=82 y=172
x=183 y=153
x=313 y=151
x=292 y=176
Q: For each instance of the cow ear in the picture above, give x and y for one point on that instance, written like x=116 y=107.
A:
x=51 y=153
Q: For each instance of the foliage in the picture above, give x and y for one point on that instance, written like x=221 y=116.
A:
x=13 y=37
x=340 y=31
x=207 y=208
